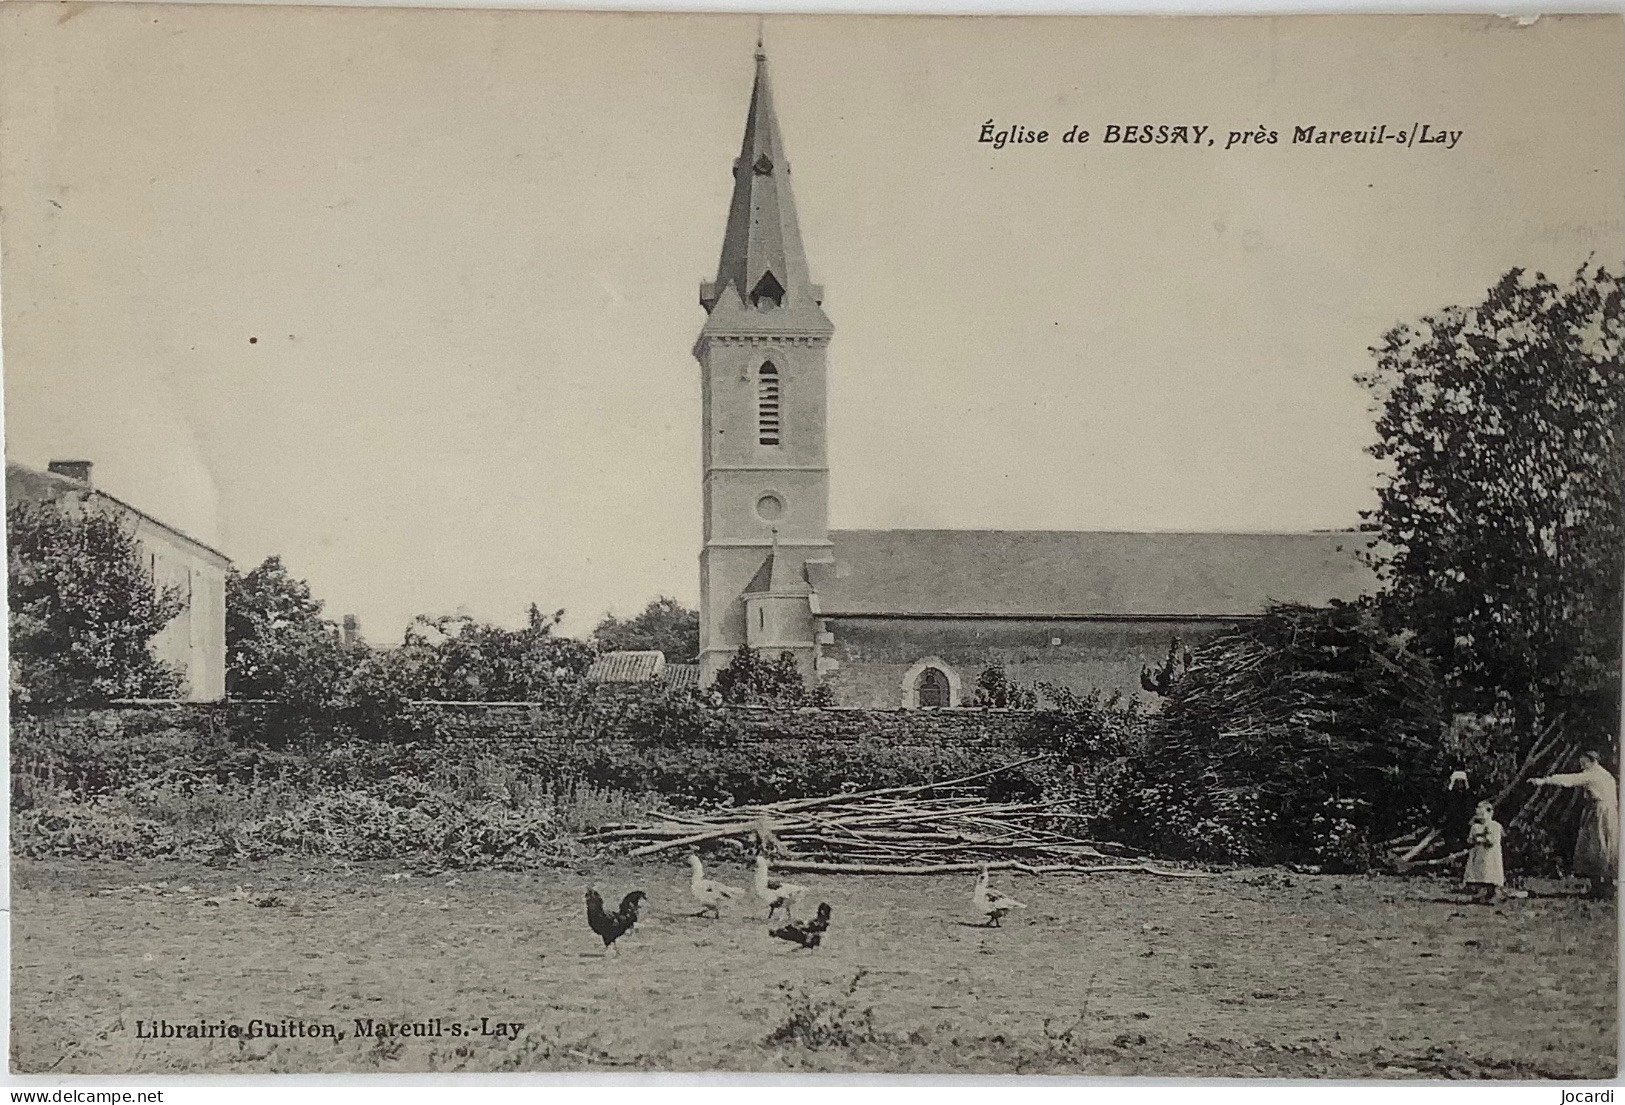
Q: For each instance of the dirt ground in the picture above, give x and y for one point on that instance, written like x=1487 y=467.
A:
x=1245 y=974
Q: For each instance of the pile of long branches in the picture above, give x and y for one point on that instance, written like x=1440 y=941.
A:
x=1307 y=702
x=935 y=828
x=1305 y=735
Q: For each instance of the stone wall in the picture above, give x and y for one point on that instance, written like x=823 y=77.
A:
x=639 y=742
x=878 y=657
x=819 y=727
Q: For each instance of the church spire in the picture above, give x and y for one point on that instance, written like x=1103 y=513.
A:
x=763 y=266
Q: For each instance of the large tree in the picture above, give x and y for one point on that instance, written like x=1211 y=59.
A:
x=84 y=609
x=665 y=625
x=278 y=645
x=1500 y=518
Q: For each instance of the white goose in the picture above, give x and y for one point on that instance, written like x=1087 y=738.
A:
x=989 y=902
x=708 y=892
x=775 y=894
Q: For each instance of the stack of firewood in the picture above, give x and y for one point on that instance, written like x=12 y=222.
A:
x=935 y=828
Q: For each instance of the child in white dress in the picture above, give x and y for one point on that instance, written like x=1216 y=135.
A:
x=1484 y=873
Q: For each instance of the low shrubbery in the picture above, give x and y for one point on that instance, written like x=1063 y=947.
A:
x=162 y=785
x=452 y=786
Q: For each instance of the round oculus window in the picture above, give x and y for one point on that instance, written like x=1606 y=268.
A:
x=770 y=508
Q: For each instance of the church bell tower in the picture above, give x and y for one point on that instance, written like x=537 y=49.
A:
x=762 y=356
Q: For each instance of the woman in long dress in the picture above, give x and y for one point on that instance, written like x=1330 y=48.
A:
x=1596 y=853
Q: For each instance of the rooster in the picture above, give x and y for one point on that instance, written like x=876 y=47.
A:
x=989 y=902
x=775 y=894
x=708 y=892
x=612 y=926
x=808 y=935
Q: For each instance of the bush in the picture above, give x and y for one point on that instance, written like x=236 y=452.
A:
x=996 y=690
x=750 y=680
x=832 y=1021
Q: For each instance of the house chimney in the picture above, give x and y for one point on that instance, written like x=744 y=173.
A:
x=73 y=469
x=351 y=632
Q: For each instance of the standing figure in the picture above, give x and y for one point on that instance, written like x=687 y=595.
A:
x=1458 y=809
x=1484 y=873
x=1596 y=852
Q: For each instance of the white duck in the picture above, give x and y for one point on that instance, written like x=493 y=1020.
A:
x=709 y=893
x=989 y=902
x=775 y=894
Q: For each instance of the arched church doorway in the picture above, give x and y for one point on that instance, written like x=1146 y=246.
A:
x=930 y=684
x=932 y=690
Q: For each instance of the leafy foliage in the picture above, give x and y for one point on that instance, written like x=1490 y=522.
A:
x=278 y=645
x=832 y=1020
x=84 y=609
x=665 y=625
x=1298 y=737
x=280 y=649
x=1502 y=515
x=995 y=689
x=456 y=658
x=750 y=680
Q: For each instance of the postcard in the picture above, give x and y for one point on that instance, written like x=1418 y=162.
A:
x=557 y=541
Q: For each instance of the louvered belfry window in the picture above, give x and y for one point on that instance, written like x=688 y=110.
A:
x=767 y=405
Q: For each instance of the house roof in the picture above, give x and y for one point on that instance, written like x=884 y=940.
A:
x=1047 y=573
x=627 y=667
x=30 y=484
x=682 y=675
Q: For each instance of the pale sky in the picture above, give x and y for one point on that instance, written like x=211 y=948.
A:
x=408 y=296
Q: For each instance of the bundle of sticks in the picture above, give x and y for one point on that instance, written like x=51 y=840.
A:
x=934 y=828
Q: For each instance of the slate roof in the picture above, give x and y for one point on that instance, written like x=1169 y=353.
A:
x=627 y=667
x=763 y=237
x=1047 y=573
x=778 y=575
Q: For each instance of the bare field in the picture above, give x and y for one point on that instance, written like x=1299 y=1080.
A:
x=1252 y=973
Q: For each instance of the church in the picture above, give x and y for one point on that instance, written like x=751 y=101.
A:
x=910 y=618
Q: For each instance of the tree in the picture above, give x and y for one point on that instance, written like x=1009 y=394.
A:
x=1502 y=513
x=278 y=645
x=750 y=680
x=457 y=658
x=84 y=610
x=665 y=625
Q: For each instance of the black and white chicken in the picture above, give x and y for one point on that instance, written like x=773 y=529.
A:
x=610 y=927
x=808 y=934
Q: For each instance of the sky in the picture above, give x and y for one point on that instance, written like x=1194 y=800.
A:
x=407 y=297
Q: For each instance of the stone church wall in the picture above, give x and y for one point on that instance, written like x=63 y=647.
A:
x=877 y=657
